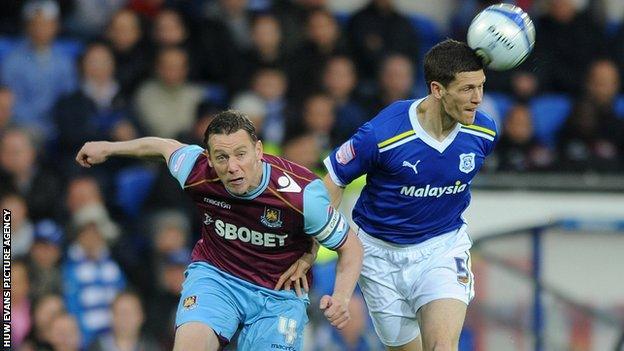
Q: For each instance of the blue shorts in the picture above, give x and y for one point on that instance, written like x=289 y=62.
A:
x=268 y=319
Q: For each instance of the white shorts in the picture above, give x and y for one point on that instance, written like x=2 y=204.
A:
x=397 y=280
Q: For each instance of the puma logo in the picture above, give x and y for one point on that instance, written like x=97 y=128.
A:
x=412 y=166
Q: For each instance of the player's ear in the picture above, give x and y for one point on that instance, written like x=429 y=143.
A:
x=259 y=149
x=437 y=90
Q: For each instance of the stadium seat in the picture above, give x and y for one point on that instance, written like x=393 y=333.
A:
x=6 y=45
x=549 y=112
x=619 y=106
x=215 y=93
x=133 y=184
x=502 y=102
x=70 y=47
x=342 y=18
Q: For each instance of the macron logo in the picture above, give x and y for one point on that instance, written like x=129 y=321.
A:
x=412 y=166
x=288 y=185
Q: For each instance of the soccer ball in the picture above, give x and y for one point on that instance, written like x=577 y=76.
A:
x=502 y=35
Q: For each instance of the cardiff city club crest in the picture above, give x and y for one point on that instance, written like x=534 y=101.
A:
x=271 y=217
x=467 y=162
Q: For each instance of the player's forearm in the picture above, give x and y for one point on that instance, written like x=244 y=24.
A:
x=348 y=267
x=143 y=147
x=335 y=192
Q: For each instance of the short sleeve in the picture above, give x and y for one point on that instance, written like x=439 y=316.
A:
x=182 y=161
x=321 y=220
x=353 y=158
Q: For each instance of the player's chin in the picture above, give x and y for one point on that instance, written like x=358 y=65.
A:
x=468 y=117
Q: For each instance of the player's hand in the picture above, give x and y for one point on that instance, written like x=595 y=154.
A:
x=92 y=153
x=336 y=310
x=295 y=276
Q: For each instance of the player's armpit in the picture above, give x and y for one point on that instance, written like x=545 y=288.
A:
x=335 y=192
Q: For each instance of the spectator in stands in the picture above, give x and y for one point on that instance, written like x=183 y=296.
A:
x=45 y=309
x=128 y=319
x=132 y=59
x=271 y=86
x=592 y=138
x=44 y=257
x=236 y=18
x=96 y=111
x=7 y=101
x=38 y=71
x=266 y=49
x=568 y=41
x=303 y=149
x=218 y=57
x=166 y=105
x=20 y=303
x=89 y=18
x=22 y=229
x=91 y=279
x=21 y=172
x=171 y=234
x=518 y=150
x=170 y=29
x=165 y=298
x=292 y=15
x=395 y=82
x=323 y=40
x=375 y=31
x=318 y=117
x=85 y=202
x=339 y=82
x=64 y=333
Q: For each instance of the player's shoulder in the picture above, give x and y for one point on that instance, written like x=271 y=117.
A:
x=281 y=167
x=393 y=122
x=483 y=125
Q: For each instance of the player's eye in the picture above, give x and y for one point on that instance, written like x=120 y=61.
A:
x=221 y=158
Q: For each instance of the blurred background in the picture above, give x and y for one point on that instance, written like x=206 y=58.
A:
x=99 y=254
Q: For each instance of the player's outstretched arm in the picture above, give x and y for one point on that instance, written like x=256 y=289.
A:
x=335 y=192
x=348 y=269
x=96 y=152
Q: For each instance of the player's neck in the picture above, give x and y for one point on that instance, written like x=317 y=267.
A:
x=434 y=120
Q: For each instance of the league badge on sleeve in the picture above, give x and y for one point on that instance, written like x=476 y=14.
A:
x=190 y=302
x=345 y=153
x=467 y=162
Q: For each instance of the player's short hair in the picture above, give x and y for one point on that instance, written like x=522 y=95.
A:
x=448 y=58
x=228 y=122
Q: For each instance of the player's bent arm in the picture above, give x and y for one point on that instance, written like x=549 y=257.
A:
x=335 y=191
x=336 y=307
x=99 y=151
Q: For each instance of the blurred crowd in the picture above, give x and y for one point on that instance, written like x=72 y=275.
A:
x=78 y=70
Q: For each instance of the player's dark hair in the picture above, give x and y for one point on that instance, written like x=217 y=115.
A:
x=228 y=122
x=447 y=59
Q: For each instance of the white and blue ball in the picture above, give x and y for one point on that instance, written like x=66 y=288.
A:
x=502 y=35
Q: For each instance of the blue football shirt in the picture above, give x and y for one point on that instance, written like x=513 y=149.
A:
x=416 y=186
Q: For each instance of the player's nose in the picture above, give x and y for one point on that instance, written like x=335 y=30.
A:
x=233 y=165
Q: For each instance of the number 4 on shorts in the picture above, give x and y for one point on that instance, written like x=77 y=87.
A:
x=288 y=328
